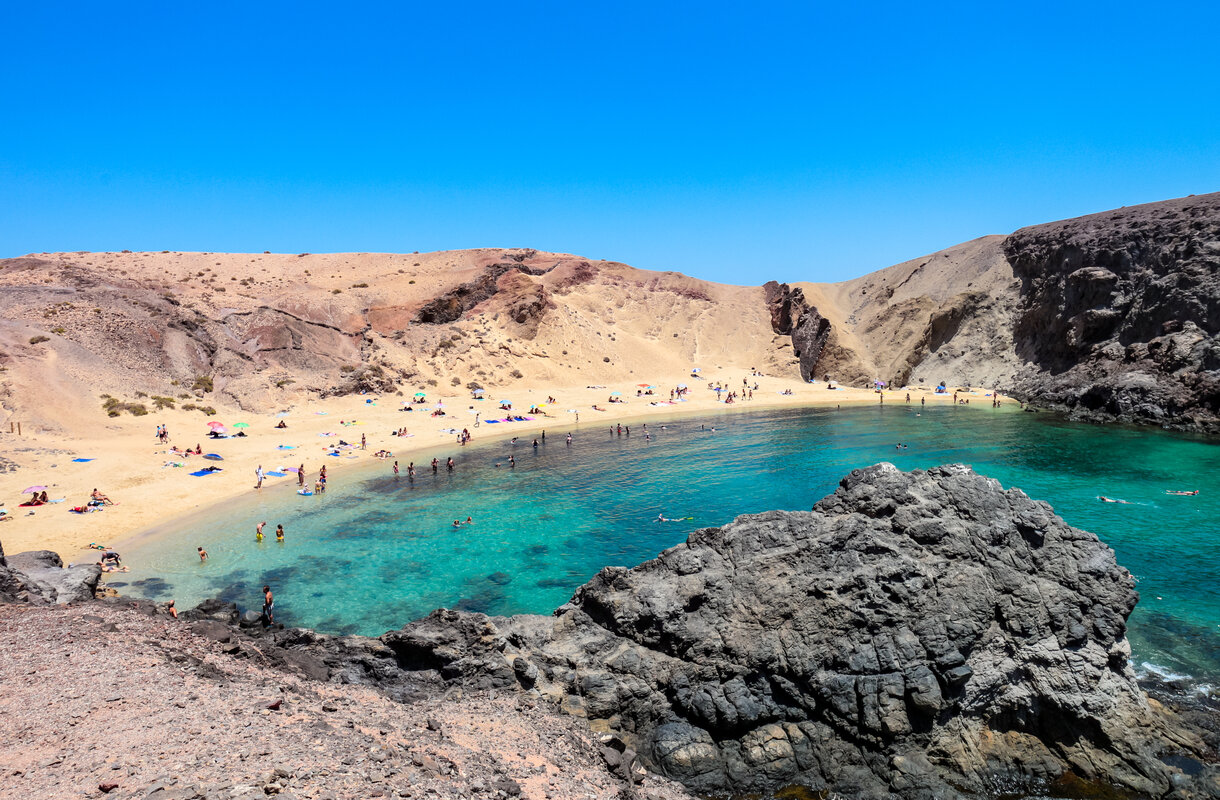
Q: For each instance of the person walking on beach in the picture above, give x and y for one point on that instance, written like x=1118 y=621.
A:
x=258 y=476
x=268 y=606
x=363 y=442
x=203 y=554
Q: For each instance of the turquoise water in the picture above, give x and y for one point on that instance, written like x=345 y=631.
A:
x=375 y=552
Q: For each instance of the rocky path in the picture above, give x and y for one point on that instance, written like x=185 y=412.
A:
x=103 y=699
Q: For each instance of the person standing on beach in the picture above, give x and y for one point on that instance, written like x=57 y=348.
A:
x=301 y=476
x=268 y=605
x=258 y=475
x=363 y=441
x=203 y=554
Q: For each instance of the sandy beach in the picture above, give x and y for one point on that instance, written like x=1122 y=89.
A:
x=129 y=464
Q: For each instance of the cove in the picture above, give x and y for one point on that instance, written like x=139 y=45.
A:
x=374 y=553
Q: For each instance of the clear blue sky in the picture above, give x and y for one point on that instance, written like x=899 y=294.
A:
x=733 y=142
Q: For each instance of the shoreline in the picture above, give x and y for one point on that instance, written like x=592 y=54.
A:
x=127 y=466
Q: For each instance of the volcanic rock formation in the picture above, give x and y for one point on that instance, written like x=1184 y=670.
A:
x=1120 y=313
x=922 y=634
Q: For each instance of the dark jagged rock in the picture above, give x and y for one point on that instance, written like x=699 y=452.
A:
x=921 y=634
x=39 y=576
x=1120 y=313
x=450 y=306
x=792 y=316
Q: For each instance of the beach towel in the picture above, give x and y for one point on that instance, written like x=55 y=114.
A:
x=287 y=447
x=277 y=474
x=491 y=421
x=202 y=473
x=82 y=460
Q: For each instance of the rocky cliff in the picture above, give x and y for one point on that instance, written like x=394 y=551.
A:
x=923 y=634
x=1120 y=313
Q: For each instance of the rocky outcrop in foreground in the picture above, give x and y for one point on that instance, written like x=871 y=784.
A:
x=922 y=634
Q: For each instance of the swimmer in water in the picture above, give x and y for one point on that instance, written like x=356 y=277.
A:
x=1105 y=499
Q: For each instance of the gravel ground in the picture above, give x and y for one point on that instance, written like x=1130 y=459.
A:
x=105 y=700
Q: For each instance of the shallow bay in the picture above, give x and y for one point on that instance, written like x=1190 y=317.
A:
x=375 y=552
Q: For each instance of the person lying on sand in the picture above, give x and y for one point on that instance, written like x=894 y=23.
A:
x=111 y=568
x=282 y=424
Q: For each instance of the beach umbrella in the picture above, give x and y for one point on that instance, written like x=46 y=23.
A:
x=213 y=457
x=506 y=402
x=615 y=394
x=681 y=385
x=420 y=394
x=695 y=369
x=215 y=424
x=879 y=383
x=241 y=425
x=478 y=391
x=33 y=489
x=644 y=385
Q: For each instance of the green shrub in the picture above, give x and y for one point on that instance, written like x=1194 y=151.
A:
x=208 y=410
x=360 y=286
x=40 y=339
x=162 y=402
x=59 y=331
x=203 y=382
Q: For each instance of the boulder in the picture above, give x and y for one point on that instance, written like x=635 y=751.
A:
x=922 y=634
x=39 y=576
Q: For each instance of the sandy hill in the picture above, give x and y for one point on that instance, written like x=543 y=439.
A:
x=262 y=331
x=1093 y=299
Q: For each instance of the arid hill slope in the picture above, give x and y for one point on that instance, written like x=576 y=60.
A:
x=267 y=330
x=1109 y=316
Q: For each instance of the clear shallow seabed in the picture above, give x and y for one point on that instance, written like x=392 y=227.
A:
x=373 y=552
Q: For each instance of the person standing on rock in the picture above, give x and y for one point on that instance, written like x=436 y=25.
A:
x=268 y=605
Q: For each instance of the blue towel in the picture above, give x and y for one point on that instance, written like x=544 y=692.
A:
x=491 y=421
x=277 y=474
x=82 y=460
x=201 y=473
x=288 y=447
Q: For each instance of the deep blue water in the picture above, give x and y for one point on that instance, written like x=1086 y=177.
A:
x=374 y=553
